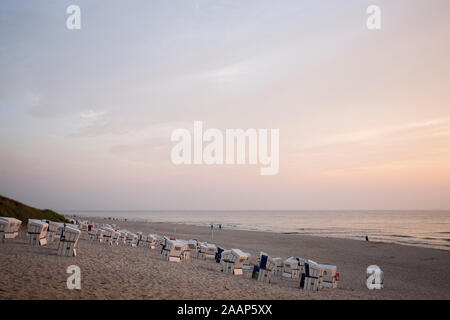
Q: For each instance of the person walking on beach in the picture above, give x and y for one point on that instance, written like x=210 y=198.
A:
x=367 y=238
x=212 y=226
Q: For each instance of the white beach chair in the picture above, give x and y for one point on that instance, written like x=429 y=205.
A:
x=152 y=239
x=233 y=260
x=330 y=276
x=83 y=225
x=37 y=231
x=108 y=235
x=292 y=268
x=72 y=225
x=3 y=226
x=278 y=270
x=193 y=247
x=123 y=236
x=131 y=239
x=68 y=242
x=9 y=228
x=92 y=235
x=99 y=235
x=264 y=270
x=115 y=238
x=312 y=278
x=142 y=240
x=175 y=250
x=207 y=251
x=54 y=230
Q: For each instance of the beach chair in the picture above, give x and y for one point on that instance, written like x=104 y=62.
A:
x=92 y=235
x=68 y=242
x=131 y=239
x=142 y=240
x=175 y=250
x=278 y=270
x=312 y=278
x=193 y=247
x=99 y=235
x=3 y=226
x=263 y=271
x=330 y=276
x=233 y=260
x=37 y=231
x=83 y=225
x=123 y=236
x=115 y=238
x=9 y=228
x=207 y=251
x=108 y=235
x=54 y=230
x=153 y=240
x=72 y=225
x=293 y=268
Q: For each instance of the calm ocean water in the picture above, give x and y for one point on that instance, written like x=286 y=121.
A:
x=421 y=228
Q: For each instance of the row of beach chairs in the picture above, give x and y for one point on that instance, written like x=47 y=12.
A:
x=308 y=274
x=42 y=232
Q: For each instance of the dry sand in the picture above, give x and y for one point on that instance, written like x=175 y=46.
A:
x=121 y=272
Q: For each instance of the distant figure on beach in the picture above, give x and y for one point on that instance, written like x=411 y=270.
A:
x=220 y=226
x=367 y=238
x=212 y=226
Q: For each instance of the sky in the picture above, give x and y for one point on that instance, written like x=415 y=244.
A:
x=86 y=115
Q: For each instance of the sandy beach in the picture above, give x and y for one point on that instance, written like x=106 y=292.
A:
x=121 y=272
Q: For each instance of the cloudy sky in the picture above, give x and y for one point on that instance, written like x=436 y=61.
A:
x=364 y=116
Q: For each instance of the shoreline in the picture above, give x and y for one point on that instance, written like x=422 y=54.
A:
x=255 y=229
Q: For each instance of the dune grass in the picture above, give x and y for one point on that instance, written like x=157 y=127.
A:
x=15 y=209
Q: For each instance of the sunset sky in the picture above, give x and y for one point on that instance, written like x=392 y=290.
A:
x=364 y=116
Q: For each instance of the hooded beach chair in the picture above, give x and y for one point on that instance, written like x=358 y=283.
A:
x=3 y=226
x=312 y=277
x=233 y=260
x=115 y=238
x=264 y=270
x=92 y=235
x=142 y=240
x=131 y=239
x=330 y=276
x=99 y=235
x=54 y=230
x=293 y=268
x=37 y=231
x=9 y=228
x=174 y=250
x=108 y=235
x=123 y=236
x=207 y=251
x=153 y=240
x=278 y=269
x=68 y=242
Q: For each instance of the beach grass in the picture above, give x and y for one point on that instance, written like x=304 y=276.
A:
x=15 y=209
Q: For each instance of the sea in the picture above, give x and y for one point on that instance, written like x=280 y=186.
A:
x=418 y=228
